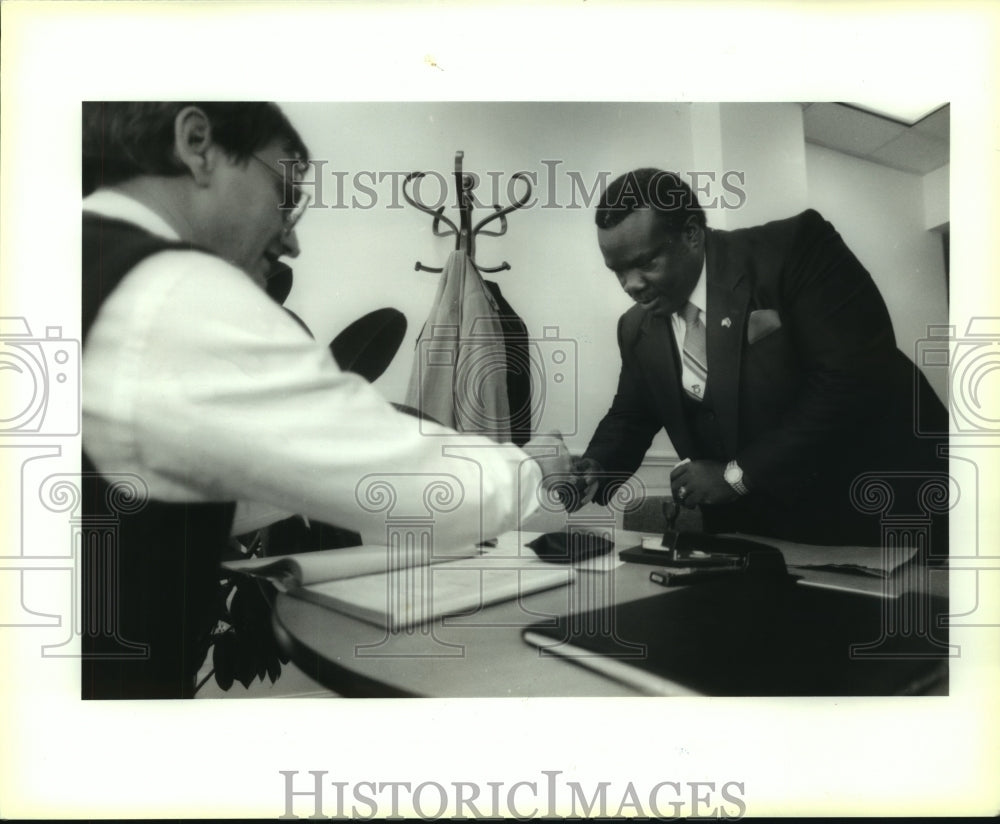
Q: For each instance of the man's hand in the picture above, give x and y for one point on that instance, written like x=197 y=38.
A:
x=586 y=472
x=701 y=482
x=553 y=458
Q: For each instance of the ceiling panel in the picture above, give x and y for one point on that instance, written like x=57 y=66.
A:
x=913 y=152
x=920 y=148
x=847 y=129
x=937 y=125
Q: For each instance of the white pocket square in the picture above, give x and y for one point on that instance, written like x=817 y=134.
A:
x=761 y=323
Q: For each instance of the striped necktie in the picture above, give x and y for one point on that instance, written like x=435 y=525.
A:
x=695 y=358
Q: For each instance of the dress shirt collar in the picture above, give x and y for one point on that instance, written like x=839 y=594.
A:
x=118 y=206
x=699 y=295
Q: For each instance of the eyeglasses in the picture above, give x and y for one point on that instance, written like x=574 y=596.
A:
x=289 y=192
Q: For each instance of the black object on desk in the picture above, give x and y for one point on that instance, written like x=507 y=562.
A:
x=752 y=636
x=560 y=548
x=693 y=557
x=696 y=550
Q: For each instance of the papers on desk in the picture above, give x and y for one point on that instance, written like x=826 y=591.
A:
x=400 y=588
x=304 y=568
x=879 y=562
x=416 y=595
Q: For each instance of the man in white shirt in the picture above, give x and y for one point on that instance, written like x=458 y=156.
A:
x=200 y=391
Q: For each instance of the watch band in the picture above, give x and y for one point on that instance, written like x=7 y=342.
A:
x=738 y=485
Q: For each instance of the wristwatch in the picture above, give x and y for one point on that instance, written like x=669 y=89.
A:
x=734 y=477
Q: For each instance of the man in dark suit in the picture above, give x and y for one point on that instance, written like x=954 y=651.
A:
x=768 y=356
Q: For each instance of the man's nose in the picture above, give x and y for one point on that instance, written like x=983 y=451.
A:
x=633 y=283
x=290 y=244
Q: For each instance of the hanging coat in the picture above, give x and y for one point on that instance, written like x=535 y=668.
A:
x=459 y=375
x=515 y=335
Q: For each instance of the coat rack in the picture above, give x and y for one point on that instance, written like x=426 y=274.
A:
x=465 y=233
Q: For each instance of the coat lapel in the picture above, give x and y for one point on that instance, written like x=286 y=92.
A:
x=728 y=292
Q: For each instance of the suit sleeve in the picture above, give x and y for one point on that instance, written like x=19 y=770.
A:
x=624 y=434
x=844 y=342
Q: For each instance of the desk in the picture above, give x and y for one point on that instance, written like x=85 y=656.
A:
x=484 y=654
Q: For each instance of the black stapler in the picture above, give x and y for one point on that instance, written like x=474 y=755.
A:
x=692 y=557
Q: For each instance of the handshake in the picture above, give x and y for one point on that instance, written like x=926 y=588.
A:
x=573 y=480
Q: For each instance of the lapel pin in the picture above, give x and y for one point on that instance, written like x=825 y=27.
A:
x=726 y=323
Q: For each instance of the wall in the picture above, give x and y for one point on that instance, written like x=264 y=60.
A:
x=358 y=259
x=766 y=144
x=936 y=198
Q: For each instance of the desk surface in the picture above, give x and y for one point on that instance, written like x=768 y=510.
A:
x=484 y=654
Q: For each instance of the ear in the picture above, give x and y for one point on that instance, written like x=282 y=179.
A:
x=193 y=143
x=693 y=233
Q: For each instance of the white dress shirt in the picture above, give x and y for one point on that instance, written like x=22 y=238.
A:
x=699 y=297
x=195 y=380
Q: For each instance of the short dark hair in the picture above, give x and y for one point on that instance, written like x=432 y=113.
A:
x=122 y=140
x=664 y=192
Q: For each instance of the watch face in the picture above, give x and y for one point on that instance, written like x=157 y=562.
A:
x=733 y=474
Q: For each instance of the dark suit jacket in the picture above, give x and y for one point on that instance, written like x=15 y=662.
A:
x=805 y=382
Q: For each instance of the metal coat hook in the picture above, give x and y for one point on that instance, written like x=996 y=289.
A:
x=465 y=232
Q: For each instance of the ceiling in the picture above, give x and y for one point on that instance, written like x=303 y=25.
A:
x=920 y=148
